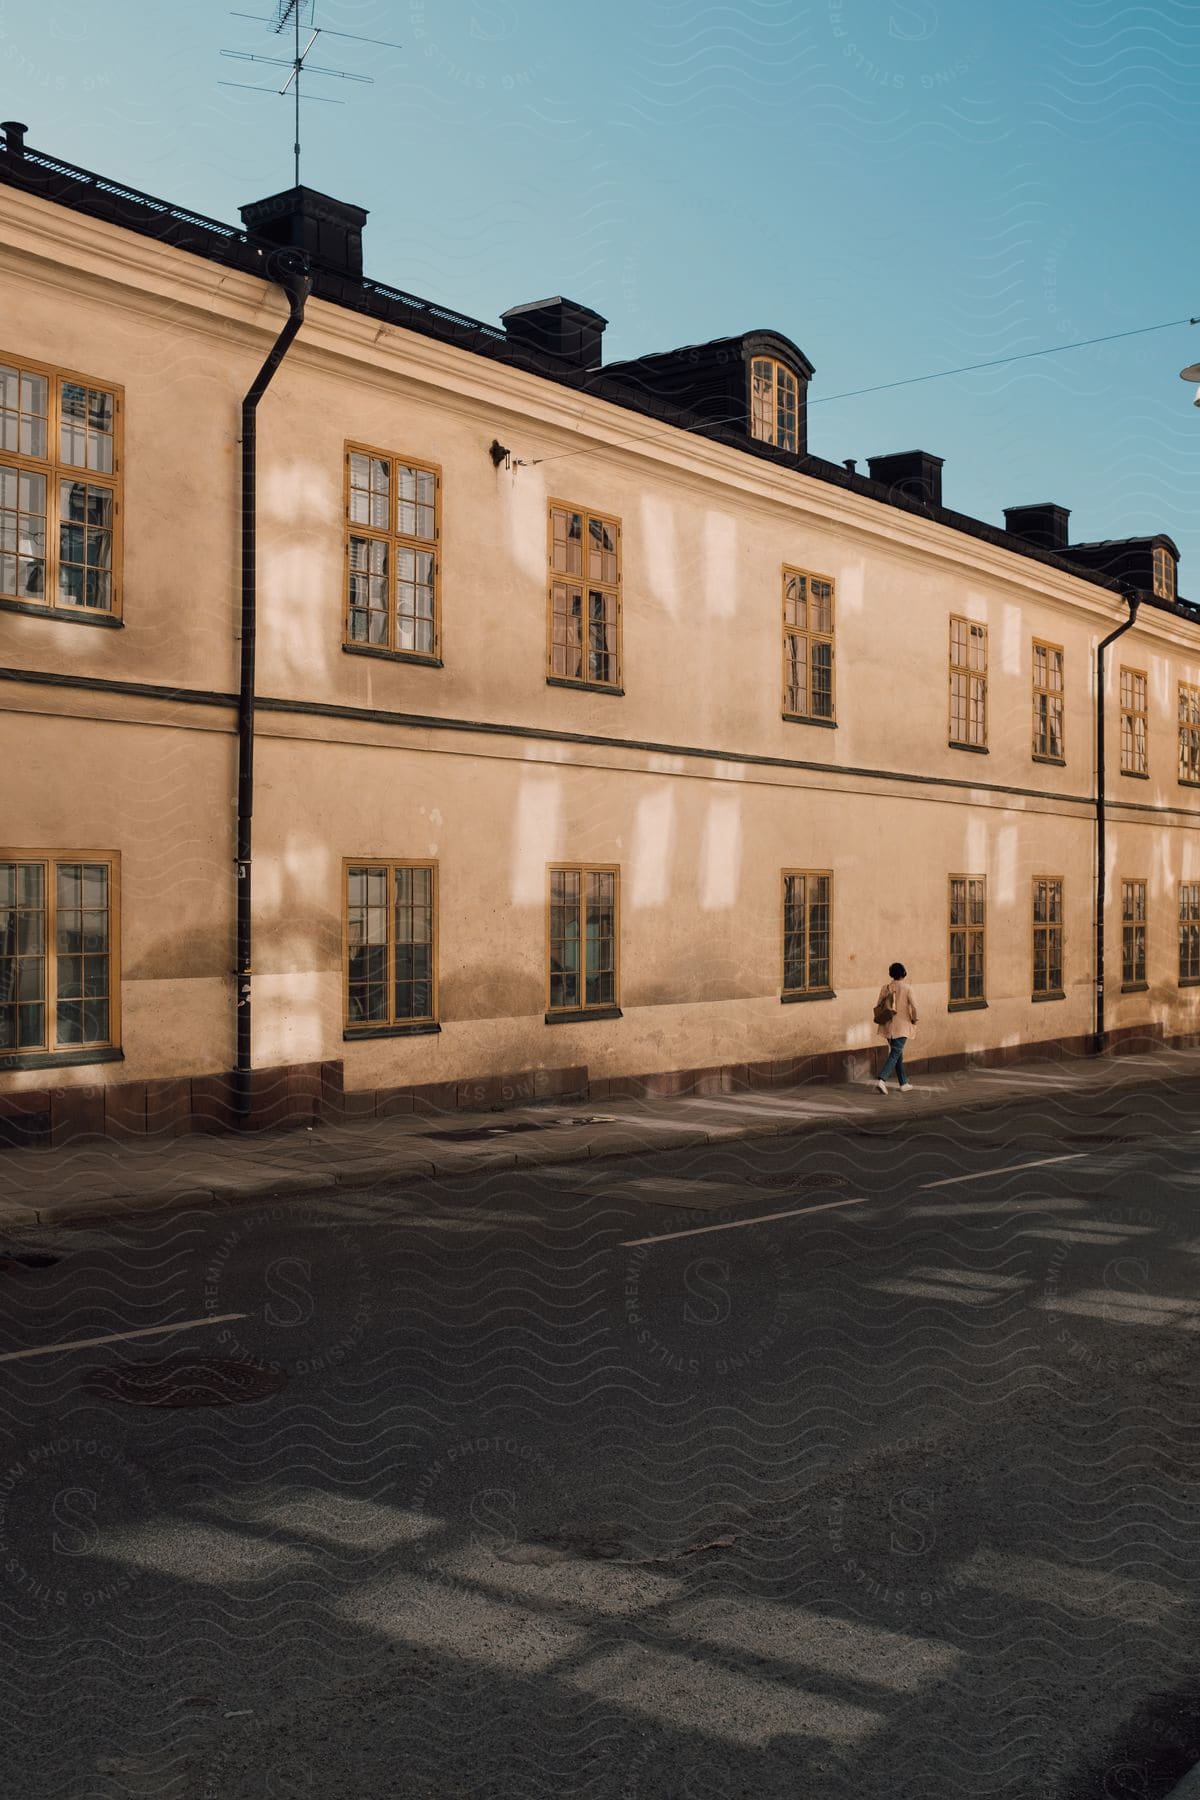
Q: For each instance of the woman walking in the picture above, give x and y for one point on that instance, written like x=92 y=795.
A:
x=896 y=1017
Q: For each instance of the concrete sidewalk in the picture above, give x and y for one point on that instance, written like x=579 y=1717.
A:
x=100 y=1179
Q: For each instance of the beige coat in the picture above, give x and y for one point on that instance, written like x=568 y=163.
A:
x=905 y=1021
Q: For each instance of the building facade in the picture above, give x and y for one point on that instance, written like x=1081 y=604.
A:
x=603 y=738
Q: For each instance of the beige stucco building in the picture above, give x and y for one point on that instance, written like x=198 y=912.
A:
x=595 y=721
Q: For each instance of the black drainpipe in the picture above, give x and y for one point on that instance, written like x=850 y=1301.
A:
x=291 y=272
x=1132 y=601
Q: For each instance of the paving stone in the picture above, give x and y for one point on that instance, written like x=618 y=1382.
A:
x=82 y=1179
x=80 y=1211
x=459 y=1161
x=398 y=1168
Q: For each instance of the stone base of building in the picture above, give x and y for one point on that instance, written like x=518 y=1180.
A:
x=315 y=1094
x=861 y=1065
x=297 y=1095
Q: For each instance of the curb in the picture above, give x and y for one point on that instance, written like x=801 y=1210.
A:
x=292 y=1187
x=466 y=1162
x=1189 y=1787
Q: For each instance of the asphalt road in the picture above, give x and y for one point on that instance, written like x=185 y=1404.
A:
x=857 y=1464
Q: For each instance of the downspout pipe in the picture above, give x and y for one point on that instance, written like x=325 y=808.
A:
x=1132 y=601
x=291 y=271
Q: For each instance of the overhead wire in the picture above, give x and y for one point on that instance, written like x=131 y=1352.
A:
x=910 y=380
x=997 y=362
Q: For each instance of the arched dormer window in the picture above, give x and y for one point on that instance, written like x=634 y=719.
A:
x=774 y=403
x=1164 y=573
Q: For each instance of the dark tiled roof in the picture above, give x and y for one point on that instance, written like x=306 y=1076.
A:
x=1114 y=544
x=625 y=384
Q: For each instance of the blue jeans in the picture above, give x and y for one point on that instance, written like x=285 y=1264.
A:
x=895 y=1061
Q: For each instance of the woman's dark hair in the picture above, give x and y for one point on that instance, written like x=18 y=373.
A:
x=897 y=971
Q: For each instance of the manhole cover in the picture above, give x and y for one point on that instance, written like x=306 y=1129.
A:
x=598 y=1540
x=471 y=1134
x=184 y=1383
x=28 y=1259
x=795 y=1181
x=1098 y=1137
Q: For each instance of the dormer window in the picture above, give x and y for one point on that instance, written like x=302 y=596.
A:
x=774 y=403
x=1164 y=574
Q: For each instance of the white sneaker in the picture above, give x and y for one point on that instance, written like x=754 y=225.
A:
x=906 y=1087
x=882 y=1086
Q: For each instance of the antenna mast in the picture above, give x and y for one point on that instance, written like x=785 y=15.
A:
x=292 y=7
x=299 y=14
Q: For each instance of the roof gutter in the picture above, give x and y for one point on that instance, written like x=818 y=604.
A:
x=1132 y=601
x=292 y=273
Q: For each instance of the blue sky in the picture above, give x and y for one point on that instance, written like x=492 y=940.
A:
x=899 y=185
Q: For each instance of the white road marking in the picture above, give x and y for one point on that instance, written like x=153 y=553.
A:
x=1012 y=1169
x=119 y=1337
x=796 y=1212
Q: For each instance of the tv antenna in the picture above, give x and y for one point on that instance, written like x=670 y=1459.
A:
x=299 y=15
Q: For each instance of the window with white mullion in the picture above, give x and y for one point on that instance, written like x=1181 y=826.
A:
x=807 y=925
x=1134 y=722
x=808 y=634
x=968 y=939
x=1189 y=734
x=57 y=977
x=1047 y=937
x=391 y=976
x=392 y=518
x=59 y=490
x=585 y=598
x=1133 y=933
x=1047 y=701
x=1189 y=931
x=774 y=403
x=582 y=939
x=968 y=683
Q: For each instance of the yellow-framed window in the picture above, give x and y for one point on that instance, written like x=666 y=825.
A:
x=1047 y=936
x=1048 y=702
x=968 y=939
x=1189 y=734
x=391 y=979
x=60 y=490
x=1164 y=573
x=807 y=931
x=393 y=532
x=1189 y=931
x=968 y=683
x=583 y=938
x=774 y=403
x=59 y=952
x=584 y=602
x=1133 y=933
x=1135 y=722
x=808 y=622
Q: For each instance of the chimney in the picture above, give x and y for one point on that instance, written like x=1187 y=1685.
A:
x=910 y=474
x=14 y=136
x=329 y=231
x=1044 y=526
x=560 y=328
